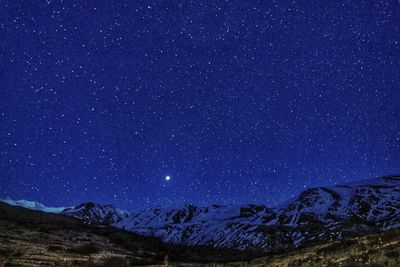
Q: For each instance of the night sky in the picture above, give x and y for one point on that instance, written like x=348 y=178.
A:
x=234 y=101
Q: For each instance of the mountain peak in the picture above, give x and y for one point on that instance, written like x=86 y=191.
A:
x=316 y=214
x=97 y=214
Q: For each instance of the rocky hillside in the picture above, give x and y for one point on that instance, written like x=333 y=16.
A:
x=375 y=250
x=316 y=215
x=31 y=238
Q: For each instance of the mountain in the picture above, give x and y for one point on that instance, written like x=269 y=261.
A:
x=317 y=215
x=33 y=205
x=218 y=226
x=97 y=214
x=31 y=238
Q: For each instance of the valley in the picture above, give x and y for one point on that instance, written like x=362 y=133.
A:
x=350 y=224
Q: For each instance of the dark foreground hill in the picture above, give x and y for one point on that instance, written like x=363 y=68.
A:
x=373 y=250
x=34 y=238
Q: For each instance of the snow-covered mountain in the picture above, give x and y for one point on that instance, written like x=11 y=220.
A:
x=97 y=214
x=33 y=205
x=317 y=214
x=218 y=226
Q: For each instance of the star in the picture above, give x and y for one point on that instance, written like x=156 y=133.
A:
x=268 y=102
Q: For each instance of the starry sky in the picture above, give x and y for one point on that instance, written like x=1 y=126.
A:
x=152 y=103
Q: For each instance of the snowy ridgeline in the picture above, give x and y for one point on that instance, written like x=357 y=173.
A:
x=33 y=205
x=325 y=213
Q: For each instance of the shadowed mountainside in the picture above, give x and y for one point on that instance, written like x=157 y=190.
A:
x=316 y=215
x=329 y=226
x=31 y=238
x=35 y=238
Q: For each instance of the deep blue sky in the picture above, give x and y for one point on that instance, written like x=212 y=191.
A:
x=237 y=101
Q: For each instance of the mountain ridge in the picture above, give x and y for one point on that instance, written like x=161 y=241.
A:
x=318 y=214
x=33 y=205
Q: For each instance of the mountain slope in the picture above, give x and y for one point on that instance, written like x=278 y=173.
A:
x=97 y=214
x=316 y=215
x=34 y=238
x=218 y=226
x=376 y=250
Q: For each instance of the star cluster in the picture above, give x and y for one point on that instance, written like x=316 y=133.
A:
x=234 y=101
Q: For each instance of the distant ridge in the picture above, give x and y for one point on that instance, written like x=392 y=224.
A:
x=33 y=205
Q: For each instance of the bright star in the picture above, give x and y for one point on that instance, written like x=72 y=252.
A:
x=167 y=178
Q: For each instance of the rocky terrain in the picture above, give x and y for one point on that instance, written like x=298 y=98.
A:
x=316 y=215
x=375 y=250
x=33 y=238
x=329 y=226
x=29 y=239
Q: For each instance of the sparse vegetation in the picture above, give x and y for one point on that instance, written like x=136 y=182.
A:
x=116 y=262
x=109 y=262
x=51 y=238
x=337 y=246
x=85 y=249
x=5 y=252
x=82 y=245
x=393 y=254
x=8 y=252
x=389 y=236
x=54 y=248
